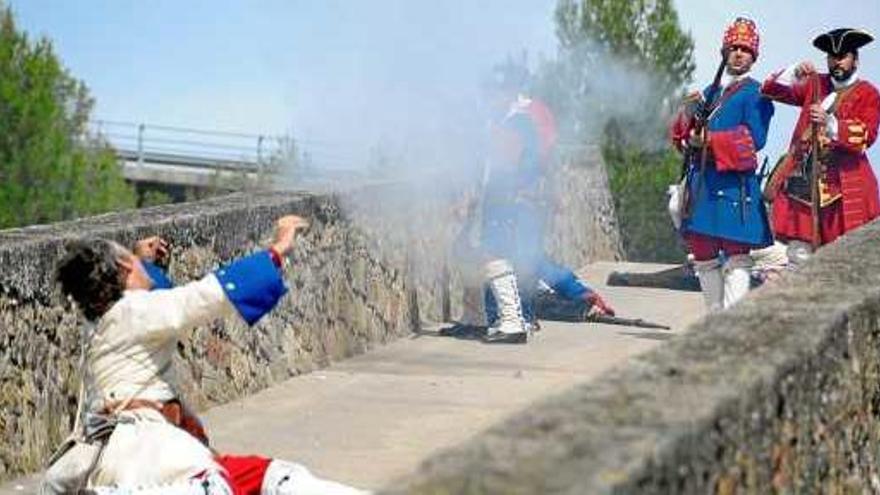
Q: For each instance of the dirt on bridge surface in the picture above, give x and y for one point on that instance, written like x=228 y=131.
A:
x=373 y=418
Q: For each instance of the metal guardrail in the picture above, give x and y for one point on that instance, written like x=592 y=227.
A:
x=190 y=147
x=148 y=148
x=156 y=158
x=172 y=145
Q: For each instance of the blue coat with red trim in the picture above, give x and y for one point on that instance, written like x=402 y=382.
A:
x=512 y=207
x=726 y=202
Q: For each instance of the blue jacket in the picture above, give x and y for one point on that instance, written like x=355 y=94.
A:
x=726 y=202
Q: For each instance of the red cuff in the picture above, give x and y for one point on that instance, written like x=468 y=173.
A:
x=680 y=131
x=734 y=150
x=276 y=258
x=852 y=134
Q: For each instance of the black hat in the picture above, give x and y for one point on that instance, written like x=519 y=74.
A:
x=842 y=41
x=508 y=76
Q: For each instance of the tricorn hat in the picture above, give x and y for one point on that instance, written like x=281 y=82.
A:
x=842 y=41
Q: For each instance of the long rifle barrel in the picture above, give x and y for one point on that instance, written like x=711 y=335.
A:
x=629 y=322
x=814 y=170
x=700 y=122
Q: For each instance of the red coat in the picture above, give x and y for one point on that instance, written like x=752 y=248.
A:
x=848 y=174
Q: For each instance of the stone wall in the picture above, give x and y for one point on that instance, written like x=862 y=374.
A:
x=425 y=226
x=343 y=300
x=582 y=226
x=780 y=394
x=361 y=276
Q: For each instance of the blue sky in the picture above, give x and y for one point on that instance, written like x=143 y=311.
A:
x=341 y=74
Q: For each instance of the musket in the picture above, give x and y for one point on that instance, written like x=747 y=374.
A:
x=701 y=119
x=814 y=170
x=762 y=172
x=628 y=322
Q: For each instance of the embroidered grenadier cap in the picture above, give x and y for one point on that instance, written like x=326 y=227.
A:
x=842 y=41
x=743 y=32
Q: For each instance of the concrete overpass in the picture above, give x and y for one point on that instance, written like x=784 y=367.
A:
x=185 y=171
x=176 y=160
x=183 y=156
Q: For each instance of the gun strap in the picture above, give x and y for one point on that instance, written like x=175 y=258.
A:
x=725 y=95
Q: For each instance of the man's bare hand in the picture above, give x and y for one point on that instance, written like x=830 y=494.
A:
x=804 y=69
x=698 y=139
x=818 y=115
x=598 y=306
x=286 y=229
x=691 y=103
x=152 y=249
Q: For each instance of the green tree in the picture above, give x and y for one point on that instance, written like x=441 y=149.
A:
x=620 y=70
x=622 y=61
x=643 y=31
x=51 y=168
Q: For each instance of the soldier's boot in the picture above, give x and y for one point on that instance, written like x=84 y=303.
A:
x=510 y=327
x=290 y=478
x=737 y=278
x=711 y=283
x=472 y=323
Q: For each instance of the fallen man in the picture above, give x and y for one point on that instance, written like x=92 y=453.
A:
x=129 y=378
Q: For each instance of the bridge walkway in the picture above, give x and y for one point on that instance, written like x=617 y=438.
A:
x=373 y=418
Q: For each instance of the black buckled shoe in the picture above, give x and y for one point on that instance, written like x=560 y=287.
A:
x=463 y=331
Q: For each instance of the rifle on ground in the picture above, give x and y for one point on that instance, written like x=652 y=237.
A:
x=629 y=322
x=551 y=306
x=701 y=118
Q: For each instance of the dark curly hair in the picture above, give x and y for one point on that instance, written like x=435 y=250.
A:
x=89 y=274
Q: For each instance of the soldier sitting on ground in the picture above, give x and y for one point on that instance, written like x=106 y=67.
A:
x=130 y=340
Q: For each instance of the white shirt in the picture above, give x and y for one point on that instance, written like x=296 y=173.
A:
x=130 y=355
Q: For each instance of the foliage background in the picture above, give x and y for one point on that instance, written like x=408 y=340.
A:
x=619 y=74
x=51 y=167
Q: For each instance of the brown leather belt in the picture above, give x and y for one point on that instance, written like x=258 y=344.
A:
x=173 y=411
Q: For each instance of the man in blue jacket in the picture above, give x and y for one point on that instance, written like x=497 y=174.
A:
x=726 y=215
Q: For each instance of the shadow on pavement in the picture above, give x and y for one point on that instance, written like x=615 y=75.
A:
x=551 y=307
x=675 y=278
x=649 y=335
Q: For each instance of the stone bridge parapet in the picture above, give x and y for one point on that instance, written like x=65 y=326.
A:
x=780 y=394
x=373 y=265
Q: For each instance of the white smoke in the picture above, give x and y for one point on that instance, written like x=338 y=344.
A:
x=426 y=136
x=590 y=87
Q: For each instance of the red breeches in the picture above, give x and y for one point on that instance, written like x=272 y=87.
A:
x=705 y=247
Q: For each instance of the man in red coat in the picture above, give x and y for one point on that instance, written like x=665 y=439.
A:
x=846 y=110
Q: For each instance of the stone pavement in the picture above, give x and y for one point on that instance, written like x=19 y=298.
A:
x=372 y=418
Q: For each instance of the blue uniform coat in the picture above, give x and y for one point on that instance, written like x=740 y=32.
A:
x=727 y=202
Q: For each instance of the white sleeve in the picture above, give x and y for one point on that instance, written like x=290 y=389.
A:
x=831 y=127
x=831 y=123
x=166 y=313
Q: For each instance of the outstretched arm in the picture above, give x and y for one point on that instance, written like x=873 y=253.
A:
x=789 y=85
x=250 y=286
x=564 y=282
